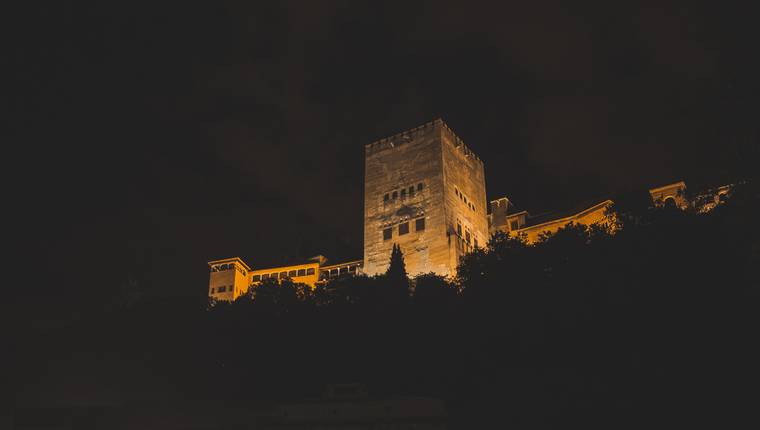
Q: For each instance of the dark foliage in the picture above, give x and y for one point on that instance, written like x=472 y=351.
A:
x=653 y=324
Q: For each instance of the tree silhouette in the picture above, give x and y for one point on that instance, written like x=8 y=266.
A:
x=397 y=268
x=394 y=285
x=601 y=315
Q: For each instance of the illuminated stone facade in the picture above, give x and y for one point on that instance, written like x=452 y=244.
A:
x=425 y=191
x=504 y=217
x=520 y=223
x=674 y=194
x=230 y=278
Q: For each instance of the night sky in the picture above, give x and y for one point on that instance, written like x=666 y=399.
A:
x=149 y=138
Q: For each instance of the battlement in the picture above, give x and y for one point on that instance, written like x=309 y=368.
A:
x=402 y=137
x=459 y=143
x=417 y=132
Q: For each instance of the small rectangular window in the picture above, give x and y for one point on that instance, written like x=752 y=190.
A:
x=387 y=233
x=386 y=197
x=513 y=225
x=222 y=289
x=310 y=271
x=352 y=269
x=419 y=224
x=301 y=272
x=395 y=195
x=411 y=191
x=283 y=275
x=256 y=278
x=459 y=230
x=403 y=193
x=403 y=228
x=419 y=186
x=292 y=273
x=343 y=270
x=265 y=276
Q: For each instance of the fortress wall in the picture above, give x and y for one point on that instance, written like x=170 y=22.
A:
x=392 y=165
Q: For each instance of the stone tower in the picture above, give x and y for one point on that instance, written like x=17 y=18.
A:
x=424 y=190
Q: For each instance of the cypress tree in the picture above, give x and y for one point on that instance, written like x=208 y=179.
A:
x=397 y=267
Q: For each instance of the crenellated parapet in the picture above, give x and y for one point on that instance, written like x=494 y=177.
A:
x=412 y=134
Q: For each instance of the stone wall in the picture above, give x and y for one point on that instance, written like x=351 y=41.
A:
x=419 y=175
x=465 y=201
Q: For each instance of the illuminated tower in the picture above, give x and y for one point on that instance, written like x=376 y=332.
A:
x=424 y=190
x=229 y=278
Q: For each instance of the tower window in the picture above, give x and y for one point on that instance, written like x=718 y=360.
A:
x=419 y=224
x=419 y=186
x=459 y=230
x=386 y=197
x=403 y=193
x=403 y=228
x=395 y=195
x=310 y=271
x=476 y=242
x=467 y=237
x=387 y=233
x=301 y=272
x=456 y=191
x=465 y=200
x=411 y=191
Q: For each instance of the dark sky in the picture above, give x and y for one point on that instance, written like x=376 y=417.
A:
x=148 y=138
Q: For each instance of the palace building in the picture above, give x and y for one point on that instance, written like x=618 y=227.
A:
x=424 y=190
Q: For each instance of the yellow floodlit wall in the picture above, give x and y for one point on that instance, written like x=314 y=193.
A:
x=228 y=279
x=301 y=273
x=594 y=215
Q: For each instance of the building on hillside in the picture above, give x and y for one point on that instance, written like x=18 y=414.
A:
x=425 y=191
x=708 y=199
x=521 y=223
x=505 y=217
x=231 y=277
x=671 y=194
